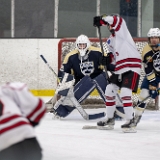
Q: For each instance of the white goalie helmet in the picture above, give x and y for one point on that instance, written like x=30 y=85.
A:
x=82 y=44
x=154 y=32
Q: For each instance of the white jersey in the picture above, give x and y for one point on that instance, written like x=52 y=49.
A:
x=123 y=47
x=19 y=109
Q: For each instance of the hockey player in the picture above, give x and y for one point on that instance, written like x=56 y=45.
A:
x=151 y=58
x=20 y=112
x=127 y=61
x=83 y=64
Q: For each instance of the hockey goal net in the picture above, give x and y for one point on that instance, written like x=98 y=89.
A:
x=68 y=44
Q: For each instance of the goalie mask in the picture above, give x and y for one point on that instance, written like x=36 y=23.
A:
x=82 y=44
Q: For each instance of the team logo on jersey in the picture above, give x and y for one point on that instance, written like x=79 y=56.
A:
x=109 y=41
x=87 y=68
x=156 y=62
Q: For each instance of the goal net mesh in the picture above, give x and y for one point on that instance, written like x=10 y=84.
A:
x=68 y=44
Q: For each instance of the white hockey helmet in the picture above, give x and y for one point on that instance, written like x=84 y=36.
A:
x=153 y=32
x=82 y=39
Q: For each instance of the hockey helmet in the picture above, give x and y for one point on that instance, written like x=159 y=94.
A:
x=82 y=44
x=154 y=32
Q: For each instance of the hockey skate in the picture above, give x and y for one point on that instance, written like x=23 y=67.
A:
x=107 y=124
x=129 y=126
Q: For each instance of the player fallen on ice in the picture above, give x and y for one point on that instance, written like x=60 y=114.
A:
x=127 y=61
x=81 y=69
x=151 y=61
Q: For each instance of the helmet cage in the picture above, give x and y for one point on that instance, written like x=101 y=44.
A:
x=82 y=44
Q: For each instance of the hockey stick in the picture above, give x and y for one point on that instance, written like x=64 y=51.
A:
x=45 y=61
x=101 y=45
x=82 y=111
x=142 y=101
x=75 y=102
x=145 y=99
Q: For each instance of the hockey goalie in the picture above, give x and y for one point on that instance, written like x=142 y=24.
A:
x=79 y=75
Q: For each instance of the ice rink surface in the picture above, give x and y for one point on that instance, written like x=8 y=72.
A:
x=66 y=140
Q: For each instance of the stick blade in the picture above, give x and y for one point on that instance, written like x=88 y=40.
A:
x=89 y=127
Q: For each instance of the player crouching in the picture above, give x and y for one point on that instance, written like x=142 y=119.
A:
x=83 y=63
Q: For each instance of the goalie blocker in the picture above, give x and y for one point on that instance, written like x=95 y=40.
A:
x=71 y=97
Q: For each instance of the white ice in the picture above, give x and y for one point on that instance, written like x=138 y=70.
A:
x=66 y=140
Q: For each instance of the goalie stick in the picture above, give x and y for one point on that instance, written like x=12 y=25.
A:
x=75 y=102
x=45 y=61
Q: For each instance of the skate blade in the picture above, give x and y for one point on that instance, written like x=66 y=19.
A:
x=129 y=130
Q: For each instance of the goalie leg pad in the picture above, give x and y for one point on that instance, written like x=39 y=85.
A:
x=67 y=81
x=83 y=88
x=63 y=107
x=64 y=110
x=101 y=83
x=119 y=114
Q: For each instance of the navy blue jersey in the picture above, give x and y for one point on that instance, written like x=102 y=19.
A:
x=151 y=60
x=73 y=65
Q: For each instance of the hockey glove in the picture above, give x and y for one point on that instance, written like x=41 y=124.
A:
x=105 y=60
x=98 y=21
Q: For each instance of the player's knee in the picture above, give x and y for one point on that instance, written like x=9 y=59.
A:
x=125 y=92
x=143 y=94
x=109 y=89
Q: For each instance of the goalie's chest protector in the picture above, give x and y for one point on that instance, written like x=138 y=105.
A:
x=89 y=67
